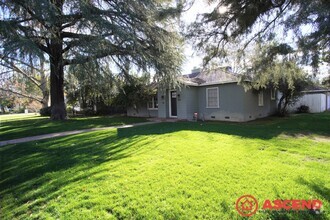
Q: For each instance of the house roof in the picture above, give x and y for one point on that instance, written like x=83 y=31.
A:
x=317 y=91
x=315 y=87
x=209 y=77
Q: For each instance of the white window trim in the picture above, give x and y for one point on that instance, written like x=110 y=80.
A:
x=272 y=94
x=261 y=94
x=153 y=104
x=207 y=100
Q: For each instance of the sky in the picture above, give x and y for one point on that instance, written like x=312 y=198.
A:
x=192 y=59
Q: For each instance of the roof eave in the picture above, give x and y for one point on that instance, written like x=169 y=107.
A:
x=219 y=83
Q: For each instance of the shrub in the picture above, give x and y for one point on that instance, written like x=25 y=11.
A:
x=110 y=110
x=303 y=109
x=70 y=110
x=282 y=113
x=18 y=110
x=47 y=111
x=89 y=112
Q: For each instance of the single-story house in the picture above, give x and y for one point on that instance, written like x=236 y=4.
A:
x=209 y=95
x=317 y=99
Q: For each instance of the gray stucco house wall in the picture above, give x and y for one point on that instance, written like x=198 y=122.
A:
x=234 y=103
x=252 y=110
x=162 y=103
x=231 y=103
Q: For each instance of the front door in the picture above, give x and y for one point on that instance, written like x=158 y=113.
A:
x=173 y=106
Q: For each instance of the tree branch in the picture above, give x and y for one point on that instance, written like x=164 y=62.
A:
x=20 y=71
x=32 y=14
x=71 y=20
x=84 y=59
x=34 y=39
x=23 y=95
x=267 y=26
x=4 y=57
x=65 y=34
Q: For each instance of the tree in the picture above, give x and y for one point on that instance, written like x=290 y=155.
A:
x=135 y=93
x=274 y=67
x=6 y=101
x=90 y=85
x=326 y=81
x=69 y=32
x=28 y=78
x=308 y=21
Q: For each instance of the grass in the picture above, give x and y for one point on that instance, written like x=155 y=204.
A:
x=169 y=171
x=21 y=125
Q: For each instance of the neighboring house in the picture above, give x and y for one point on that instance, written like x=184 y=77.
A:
x=318 y=100
x=213 y=95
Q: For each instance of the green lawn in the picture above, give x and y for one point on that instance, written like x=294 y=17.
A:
x=179 y=170
x=21 y=125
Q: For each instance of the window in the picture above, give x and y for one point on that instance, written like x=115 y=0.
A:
x=153 y=102
x=212 y=97
x=261 y=98
x=272 y=94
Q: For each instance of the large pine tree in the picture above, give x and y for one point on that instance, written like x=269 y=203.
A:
x=246 y=21
x=69 y=32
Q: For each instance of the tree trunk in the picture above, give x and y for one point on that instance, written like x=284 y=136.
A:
x=279 y=106
x=57 y=92
x=56 y=80
x=43 y=86
x=3 y=109
x=286 y=102
x=45 y=99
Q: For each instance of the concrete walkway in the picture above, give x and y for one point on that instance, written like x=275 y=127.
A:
x=66 y=133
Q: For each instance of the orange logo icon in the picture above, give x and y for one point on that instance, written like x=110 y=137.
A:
x=246 y=205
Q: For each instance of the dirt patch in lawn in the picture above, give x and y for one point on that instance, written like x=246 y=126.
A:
x=318 y=138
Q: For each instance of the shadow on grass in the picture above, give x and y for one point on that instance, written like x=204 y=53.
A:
x=35 y=172
x=298 y=125
x=288 y=215
x=31 y=126
x=317 y=187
